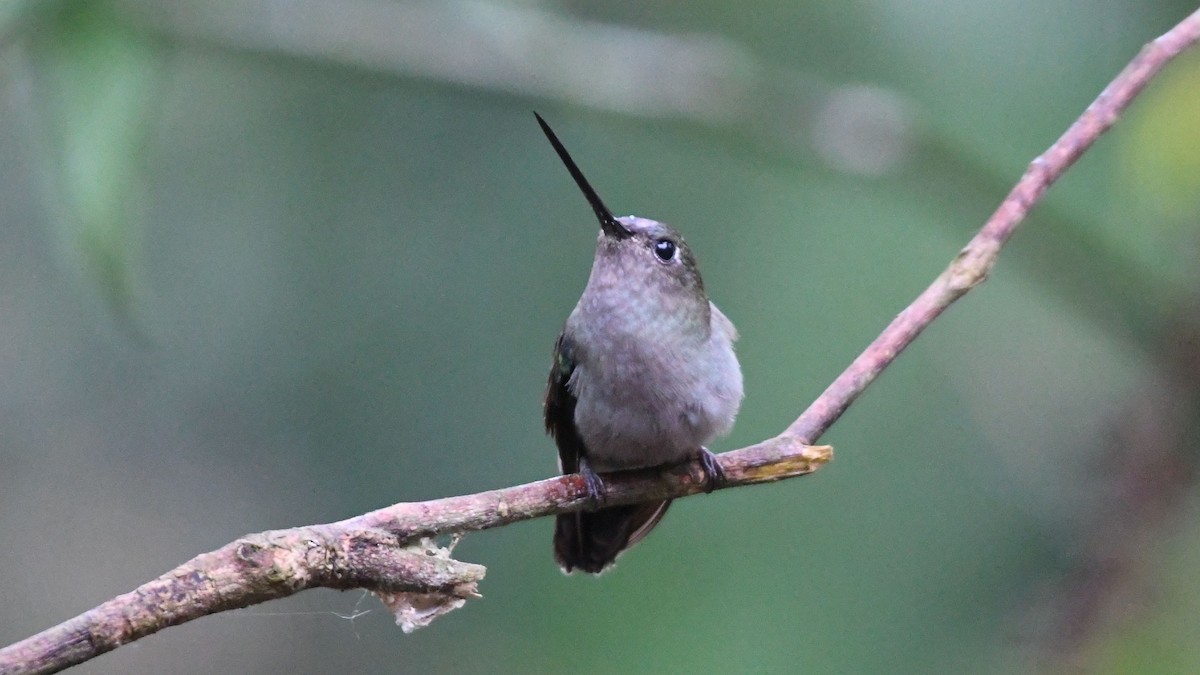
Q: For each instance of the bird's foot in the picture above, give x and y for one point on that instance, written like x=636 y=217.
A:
x=714 y=475
x=597 y=491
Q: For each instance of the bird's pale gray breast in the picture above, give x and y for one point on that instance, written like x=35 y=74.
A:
x=648 y=400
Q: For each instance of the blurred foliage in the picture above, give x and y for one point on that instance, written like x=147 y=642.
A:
x=1162 y=165
x=94 y=80
x=346 y=250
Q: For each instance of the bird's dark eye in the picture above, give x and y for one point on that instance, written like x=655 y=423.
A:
x=664 y=249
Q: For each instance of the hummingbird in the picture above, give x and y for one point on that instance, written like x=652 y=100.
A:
x=644 y=375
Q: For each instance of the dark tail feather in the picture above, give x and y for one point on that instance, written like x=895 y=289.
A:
x=591 y=541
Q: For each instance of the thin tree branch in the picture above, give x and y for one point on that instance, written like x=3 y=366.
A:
x=975 y=262
x=385 y=551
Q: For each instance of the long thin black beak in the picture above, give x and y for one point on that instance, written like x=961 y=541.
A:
x=608 y=222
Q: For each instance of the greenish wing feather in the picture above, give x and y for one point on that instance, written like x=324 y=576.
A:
x=559 y=408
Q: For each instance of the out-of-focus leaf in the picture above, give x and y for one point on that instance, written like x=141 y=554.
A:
x=95 y=81
x=1160 y=153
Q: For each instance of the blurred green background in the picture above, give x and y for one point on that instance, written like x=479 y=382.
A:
x=266 y=264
